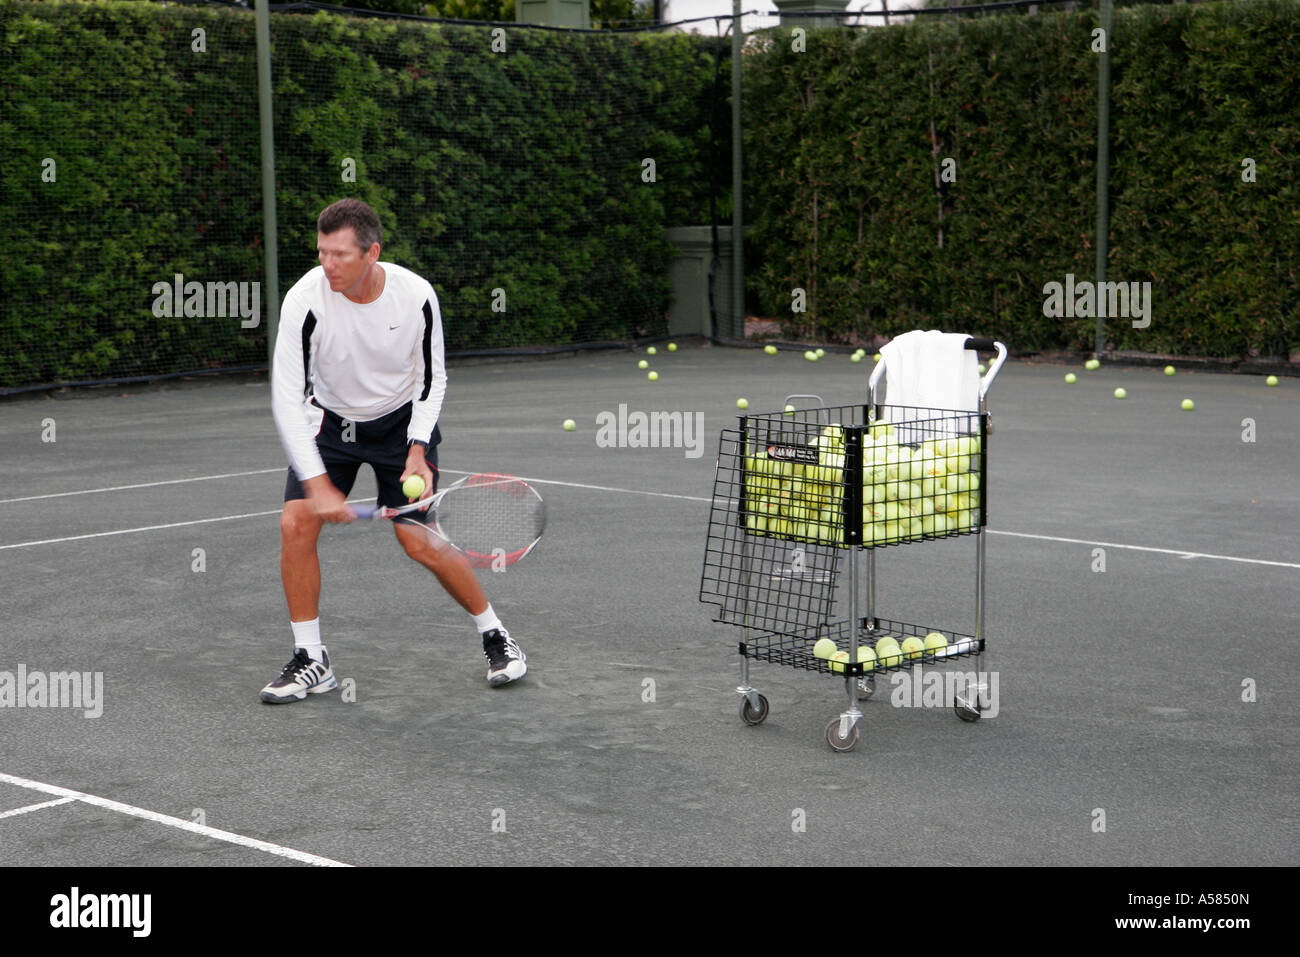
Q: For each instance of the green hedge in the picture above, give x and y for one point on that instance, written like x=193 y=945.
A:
x=517 y=170
x=845 y=129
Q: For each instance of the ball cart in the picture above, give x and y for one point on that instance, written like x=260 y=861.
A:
x=806 y=498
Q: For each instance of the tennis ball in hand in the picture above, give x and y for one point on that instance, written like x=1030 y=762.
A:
x=912 y=646
x=1170 y=370
x=770 y=350
x=570 y=425
x=1071 y=378
x=1271 y=380
x=1188 y=405
x=742 y=403
x=413 y=487
x=643 y=364
x=1092 y=364
x=1120 y=393
x=653 y=376
x=824 y=648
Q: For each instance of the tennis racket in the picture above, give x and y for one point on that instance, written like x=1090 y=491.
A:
x=493 y=520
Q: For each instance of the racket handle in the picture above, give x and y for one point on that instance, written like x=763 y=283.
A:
x=365 y=511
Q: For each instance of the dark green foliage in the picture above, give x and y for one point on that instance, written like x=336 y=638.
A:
x=845 y=129
x=517 y=171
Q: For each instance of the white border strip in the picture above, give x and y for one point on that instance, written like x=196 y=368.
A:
x=201 y=829
x=1181 y=553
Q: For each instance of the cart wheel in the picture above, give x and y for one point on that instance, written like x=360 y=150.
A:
x=867 y=686
x=965 y=710
x=751 y=715
x=835 y=741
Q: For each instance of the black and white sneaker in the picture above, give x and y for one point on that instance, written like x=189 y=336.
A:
x=505 y=657
x=302 y=676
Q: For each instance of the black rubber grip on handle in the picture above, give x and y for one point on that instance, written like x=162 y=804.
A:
x=981 y=345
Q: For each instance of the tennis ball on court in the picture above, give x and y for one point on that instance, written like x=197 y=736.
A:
x=935 y=641
x=1271 y=380
x=838 y=661
x=770 y=350
x=672 y=347
x=570 y=425
x=1120 y=393
x=876 y=357
x=824 y=648
x=821 y=353
x=912 y=646
x=650 y=351
x=742 y=403
x=856 y=357
x=653 y=376
x=810 y=356
x=1188 y=405
x=643 y=364
x=1092 y=364
x=1170 y=370
x=413 y=487
x=1071 y=378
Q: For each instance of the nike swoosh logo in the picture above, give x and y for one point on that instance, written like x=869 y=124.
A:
x=392 y=327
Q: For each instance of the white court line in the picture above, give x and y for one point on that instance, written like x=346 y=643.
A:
x=35 y=807
x=119 y=488
x=201 y=829
x=143 y=528
x=1181 y=553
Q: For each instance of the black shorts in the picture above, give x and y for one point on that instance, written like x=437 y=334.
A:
x=379 y=443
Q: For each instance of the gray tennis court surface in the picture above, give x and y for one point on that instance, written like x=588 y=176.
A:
x=1156 y=696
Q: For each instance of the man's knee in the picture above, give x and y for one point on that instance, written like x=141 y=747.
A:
x=298 y=524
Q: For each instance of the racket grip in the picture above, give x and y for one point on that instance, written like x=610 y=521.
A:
x=365 y=511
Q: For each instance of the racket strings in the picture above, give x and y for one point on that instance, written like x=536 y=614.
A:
x=489 y=519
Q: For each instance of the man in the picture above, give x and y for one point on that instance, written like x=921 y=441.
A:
x=358 y=377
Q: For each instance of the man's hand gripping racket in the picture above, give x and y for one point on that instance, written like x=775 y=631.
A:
x=493 y=520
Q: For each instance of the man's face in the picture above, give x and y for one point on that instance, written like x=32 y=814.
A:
x=346 y=266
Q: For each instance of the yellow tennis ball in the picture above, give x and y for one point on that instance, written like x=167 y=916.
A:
x=1120 y=393
x=1188 y=405
x=1271 y=380
x=742 y=403
x=824 y=648
x=1170 y=370
x=643 y=364
x=867 y=657
x=413 y=487
x=1071 y=378
x=570 y=425
x=935 y=641
x=838 y=661
x=1092 y=364
x=650 y=351
x=653 y=376
x=672 y=347
x=770 y=350
x=912 y=646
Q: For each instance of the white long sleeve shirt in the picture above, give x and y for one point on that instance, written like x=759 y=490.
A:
x=361 y=361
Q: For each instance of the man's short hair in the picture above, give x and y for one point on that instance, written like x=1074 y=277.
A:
x=354 y=213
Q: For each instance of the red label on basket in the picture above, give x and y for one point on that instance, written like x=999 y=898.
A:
x=793 y=453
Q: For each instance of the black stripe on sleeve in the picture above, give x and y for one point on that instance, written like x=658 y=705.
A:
x=308 y=327
x=428 y=350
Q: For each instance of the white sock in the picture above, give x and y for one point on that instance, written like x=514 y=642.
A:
x=306 y=635
x=486 y=621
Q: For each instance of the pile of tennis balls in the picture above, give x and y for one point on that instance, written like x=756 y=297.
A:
x=907 y=493
x=888 y=652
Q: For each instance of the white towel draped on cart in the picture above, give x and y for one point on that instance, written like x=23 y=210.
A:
x=930 y=370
